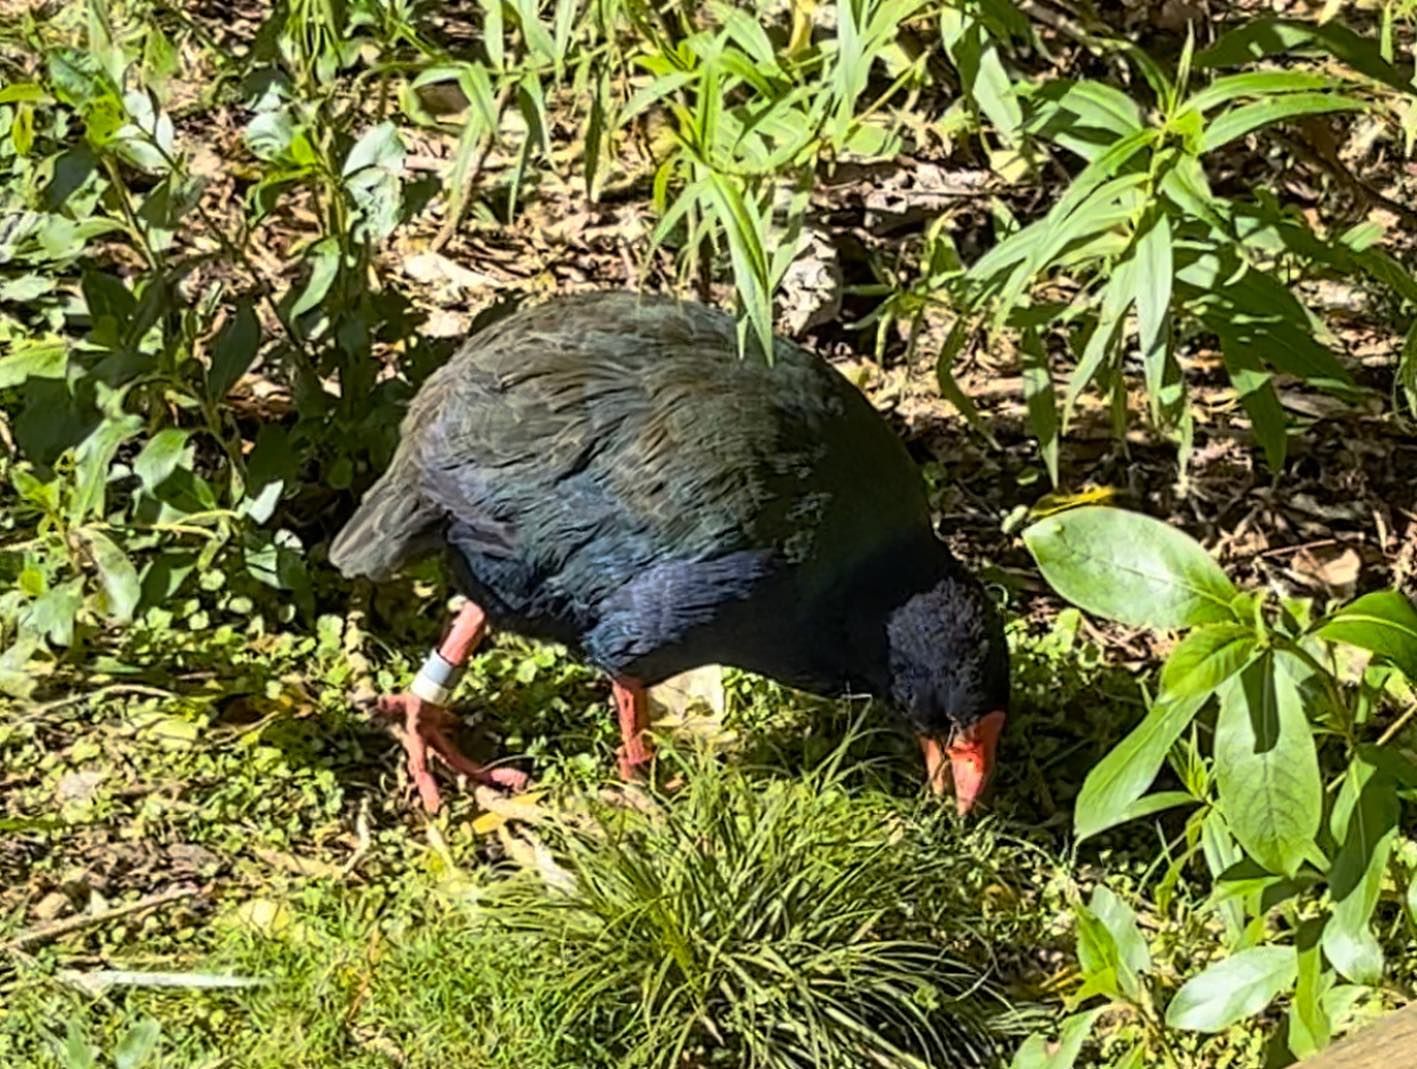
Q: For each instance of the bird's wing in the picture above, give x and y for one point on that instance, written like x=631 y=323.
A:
x=601 y=437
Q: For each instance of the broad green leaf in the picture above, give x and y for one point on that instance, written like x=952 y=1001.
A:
x=1384 y=622
x=1035 y=1053
x=1121 y=921
x=1103 y=970
x=269 y=134
x=1042 y=405
x=1206 y=658
x=117 y=576
x=1266 y=767
x=1148 y=804
x=1237 y=122
x=323 y=257
x=1231 y=990
x=1131 y=568
x=1117 y=782
x=234 y=351
x=160 y=457
x=1369 y=807
x=92 y=459
x=52 y=612
x=23 y=93
x=379 y=146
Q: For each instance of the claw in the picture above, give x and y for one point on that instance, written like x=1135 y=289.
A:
x=425 y=729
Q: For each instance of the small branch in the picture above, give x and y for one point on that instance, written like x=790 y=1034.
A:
x=1397 y=725
x=54 y=929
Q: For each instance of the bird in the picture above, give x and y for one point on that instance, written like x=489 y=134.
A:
x=613 y=472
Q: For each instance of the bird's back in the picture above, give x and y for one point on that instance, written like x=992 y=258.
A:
x=611 y=453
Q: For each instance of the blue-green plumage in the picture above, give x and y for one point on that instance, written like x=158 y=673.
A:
x=605 y=471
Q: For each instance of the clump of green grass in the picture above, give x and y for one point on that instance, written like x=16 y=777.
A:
x=786 y=923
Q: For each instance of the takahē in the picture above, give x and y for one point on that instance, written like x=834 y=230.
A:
x=605 y=471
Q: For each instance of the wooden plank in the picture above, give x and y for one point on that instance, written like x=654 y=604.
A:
x=1390 y=1042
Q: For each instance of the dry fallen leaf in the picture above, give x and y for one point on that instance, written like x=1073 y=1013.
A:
x=1334 y=567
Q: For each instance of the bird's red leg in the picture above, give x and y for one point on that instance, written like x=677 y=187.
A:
x=632 y=705
x=425 y=715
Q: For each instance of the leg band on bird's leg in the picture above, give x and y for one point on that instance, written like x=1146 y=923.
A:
x=436 y=680
x=439 y=676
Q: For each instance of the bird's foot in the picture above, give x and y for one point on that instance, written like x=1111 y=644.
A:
x=425 y=728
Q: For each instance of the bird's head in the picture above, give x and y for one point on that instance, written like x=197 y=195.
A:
x=949 y=675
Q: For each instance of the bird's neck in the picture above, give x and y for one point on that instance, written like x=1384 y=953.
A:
x=878 y=590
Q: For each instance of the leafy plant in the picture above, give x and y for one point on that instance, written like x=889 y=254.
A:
x=1274 y=726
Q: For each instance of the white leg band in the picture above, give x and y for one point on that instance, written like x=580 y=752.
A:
x=436 y=680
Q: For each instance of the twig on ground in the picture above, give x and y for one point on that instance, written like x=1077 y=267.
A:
x=53 y=929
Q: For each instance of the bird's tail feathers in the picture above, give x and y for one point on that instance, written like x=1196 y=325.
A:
x=392 y=526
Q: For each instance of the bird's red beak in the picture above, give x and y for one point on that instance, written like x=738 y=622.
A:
x=971 y=759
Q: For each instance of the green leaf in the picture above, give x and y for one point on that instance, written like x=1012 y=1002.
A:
x=1151 y=276
x=1231 y=990
x=46 y=358
x=76 y=1052
x=234 y=351
x=1309 y=1026
x=1237 y=122
x=1102 y=969
x=1406 y=378
x=944 y=375
x=137 y=1045
x=1369 y=807
x=1084 y=117
x=1384 y=622
x=1256 y=38
x=160 y=457
x=493 y=32
x=1266 y=767
x=1255 y=388
x=1042 y=405
x=269 y=134
x=1121 y=921
x=324 y=257
x=379 y=146
x=116 y=574
x=982 y=72
x=1035 y=1052
x=92 y=459
x=1206 y=658
x=1131 y=568
x=23 y=93
x=1258 y=84
x=52 y=613
x=1116 y=782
